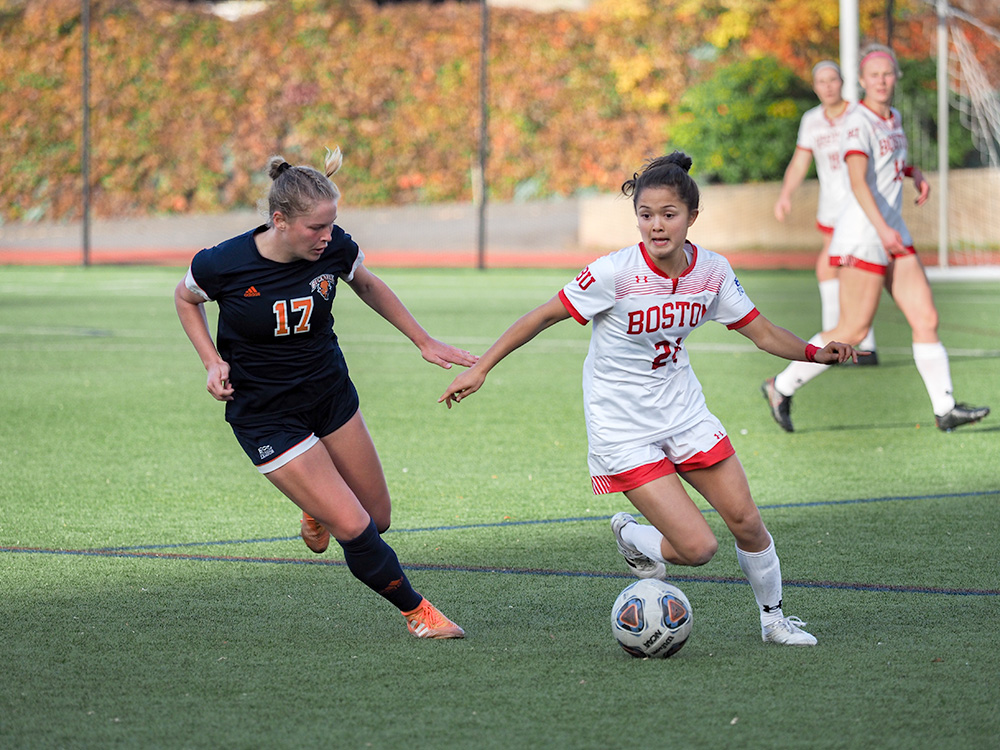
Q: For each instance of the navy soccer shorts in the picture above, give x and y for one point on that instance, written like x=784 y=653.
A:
x=271 y=445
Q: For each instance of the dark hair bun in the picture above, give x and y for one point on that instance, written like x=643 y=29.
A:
x=679 y=158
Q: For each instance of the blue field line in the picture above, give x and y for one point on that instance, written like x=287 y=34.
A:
x=682 y=578
x=179 y=545
x=150 y=551
x=544 y=521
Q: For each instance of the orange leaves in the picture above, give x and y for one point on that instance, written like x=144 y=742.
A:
x=187 y=107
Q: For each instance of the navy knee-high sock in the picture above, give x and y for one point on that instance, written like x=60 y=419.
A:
x=374 y=563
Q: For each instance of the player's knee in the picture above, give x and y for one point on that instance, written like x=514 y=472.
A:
x=698 y=552
x=748 y=528
x=925 y=325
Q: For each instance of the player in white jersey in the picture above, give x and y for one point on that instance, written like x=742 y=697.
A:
x=647 y=422
x=873 y=248
x=819 y=140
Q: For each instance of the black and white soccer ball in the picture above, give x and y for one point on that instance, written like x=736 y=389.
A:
x=651 y=618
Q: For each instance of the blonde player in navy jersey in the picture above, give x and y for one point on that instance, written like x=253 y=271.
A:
x=873 y=249
x=819 y=140
x=279 y=368
x=647 y=422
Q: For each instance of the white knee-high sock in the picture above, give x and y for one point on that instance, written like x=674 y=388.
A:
x=932 y=364
x=868 y=342
x=646 y=539
x=829 y=300
x=797 y=374
x=763 y=570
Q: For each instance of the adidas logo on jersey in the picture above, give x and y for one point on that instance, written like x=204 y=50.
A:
x=251 y=292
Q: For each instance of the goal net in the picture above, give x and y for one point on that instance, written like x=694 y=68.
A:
x=974 y=91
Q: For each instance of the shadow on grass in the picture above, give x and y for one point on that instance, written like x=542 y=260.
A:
x=890 y=426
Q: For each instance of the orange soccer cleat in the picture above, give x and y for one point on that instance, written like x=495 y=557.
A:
x=427 y=622
x=316 y=537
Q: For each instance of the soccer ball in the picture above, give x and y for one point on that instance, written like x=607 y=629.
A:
x=651 y=618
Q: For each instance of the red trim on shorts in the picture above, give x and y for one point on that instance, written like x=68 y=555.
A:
x=849 y=261
x=720 y=452
x=863 y=265
x=824 y=228
x=744 y=320
x=570 y=309
x=629 y=480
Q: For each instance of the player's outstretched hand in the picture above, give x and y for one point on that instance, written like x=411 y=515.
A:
x=836 y=353
x=445 y=355
x=464 y=385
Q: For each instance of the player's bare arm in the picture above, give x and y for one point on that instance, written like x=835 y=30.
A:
x=379 y=297
x=194 y=320
x=781 y=342
x=923 y=187
x=521 y=332
x=795 y=174
x=857 y=168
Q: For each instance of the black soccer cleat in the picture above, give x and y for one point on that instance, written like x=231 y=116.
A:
x=959 y=415
x=869 y=359
x=780 y=404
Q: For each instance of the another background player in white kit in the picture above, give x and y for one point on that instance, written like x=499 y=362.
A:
x=645 y=411
x=819 y=139
x=873 y=248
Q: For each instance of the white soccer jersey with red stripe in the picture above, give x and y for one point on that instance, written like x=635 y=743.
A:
x=883 y=141
x=820 y=135
x=638 y=385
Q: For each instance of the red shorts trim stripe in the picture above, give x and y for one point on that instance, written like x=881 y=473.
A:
x=722 y=450
x=629 y=480
x=849 y=261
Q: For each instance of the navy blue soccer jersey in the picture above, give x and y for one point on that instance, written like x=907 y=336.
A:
x=275 y=323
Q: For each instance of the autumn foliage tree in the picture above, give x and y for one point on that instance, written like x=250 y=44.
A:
x=187 y=107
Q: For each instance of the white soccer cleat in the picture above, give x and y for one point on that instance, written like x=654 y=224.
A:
x=640 y=565
x=787 y=632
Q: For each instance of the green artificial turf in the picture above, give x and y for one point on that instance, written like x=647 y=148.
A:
x=154 y=593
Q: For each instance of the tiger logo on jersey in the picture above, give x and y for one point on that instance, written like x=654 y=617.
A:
x=324 y=284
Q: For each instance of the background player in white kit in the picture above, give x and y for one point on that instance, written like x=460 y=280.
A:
x=873 y=248
x=647 y=422
x=819 y=139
